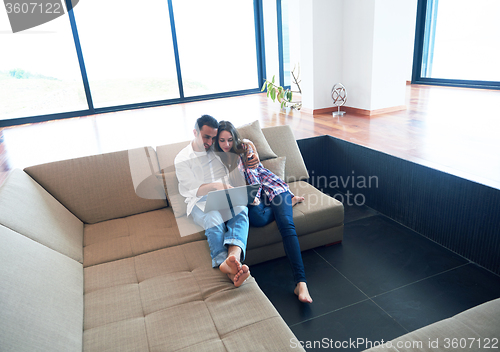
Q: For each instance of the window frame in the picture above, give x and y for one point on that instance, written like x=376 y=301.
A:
x=261 y=74
x=420 y=50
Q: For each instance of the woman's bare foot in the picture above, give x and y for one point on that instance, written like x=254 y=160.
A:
x=230 y=266
x=241 y=276
x=303 y=293
x=297 y=199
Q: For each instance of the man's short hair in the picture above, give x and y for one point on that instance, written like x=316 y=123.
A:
x=206 y=120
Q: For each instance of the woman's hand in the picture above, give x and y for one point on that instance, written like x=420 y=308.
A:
x=256 y=201
x=252 y=160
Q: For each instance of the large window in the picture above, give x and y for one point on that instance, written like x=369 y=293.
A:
x=458 y=43
x=107 y=56
x=217 y=52
x=127 y=50
x=39 y=72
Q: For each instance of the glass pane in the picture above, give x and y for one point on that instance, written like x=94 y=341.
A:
x=128 y=52
x=39 y=71
x=216 y=41
x=462 y=40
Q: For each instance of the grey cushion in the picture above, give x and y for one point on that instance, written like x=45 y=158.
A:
x=276 y=166
x=283 y=142
x=254 y=133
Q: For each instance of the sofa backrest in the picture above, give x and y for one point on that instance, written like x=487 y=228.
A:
x=41 y=271
x=283 y=143
x=97 y=188
x=28 y=209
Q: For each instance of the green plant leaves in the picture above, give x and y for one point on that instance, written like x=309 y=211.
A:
x=274 y=92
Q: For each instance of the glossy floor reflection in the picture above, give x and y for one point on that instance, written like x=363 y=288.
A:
x=383 y=281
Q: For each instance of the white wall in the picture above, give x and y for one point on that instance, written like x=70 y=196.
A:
x=320 y=50
x=365 y=44
x=390 y=47
x=357 y=52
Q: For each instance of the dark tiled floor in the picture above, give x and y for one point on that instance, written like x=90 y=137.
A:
x=383 y=281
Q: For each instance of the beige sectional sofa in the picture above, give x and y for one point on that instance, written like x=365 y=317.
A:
x=94 y=258
x=476 y=329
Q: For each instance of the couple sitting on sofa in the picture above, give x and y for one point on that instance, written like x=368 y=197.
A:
x=216 y=159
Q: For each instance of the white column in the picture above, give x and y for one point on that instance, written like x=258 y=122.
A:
x=320 y=50
x=364 y=44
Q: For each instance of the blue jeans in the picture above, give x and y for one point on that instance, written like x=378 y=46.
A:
x=280 y=209
x=221 y=233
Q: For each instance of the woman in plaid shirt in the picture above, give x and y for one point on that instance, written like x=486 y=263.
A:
x=274 y=201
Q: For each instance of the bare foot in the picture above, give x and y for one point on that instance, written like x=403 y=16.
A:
x=297 y=199
x=241 y=276
x=230 y=266
x=303 y=293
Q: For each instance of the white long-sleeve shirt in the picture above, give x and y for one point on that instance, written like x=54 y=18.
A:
x=194 y=169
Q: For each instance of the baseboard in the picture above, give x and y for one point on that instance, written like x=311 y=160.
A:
x=351 y=110
x=364 y=112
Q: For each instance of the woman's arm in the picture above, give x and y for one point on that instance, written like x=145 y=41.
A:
x=252 y=156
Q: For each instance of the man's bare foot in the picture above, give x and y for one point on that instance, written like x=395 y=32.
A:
x=230 y=266
x=303 y=293
x=297 y=199
x=241 y=276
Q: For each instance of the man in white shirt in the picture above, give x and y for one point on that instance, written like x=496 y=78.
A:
x=199 y=171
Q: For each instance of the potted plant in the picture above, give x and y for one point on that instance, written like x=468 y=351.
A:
x=284 y=96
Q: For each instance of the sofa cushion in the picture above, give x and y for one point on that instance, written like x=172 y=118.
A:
x=41 y=302
x=283 y=142
x=136 y=234
x=318 y=212
x=180 y=300
x=481 y=323
x=253 y=132
x=95 y=188
x=167 y=153
x=27 y=208
x=276 y=166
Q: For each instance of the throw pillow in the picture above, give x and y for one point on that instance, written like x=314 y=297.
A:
x=254 y=133
x=276 y=166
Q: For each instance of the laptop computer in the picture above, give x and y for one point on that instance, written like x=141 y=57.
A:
x=228 y=198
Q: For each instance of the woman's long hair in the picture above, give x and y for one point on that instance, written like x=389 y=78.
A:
x=238 y=149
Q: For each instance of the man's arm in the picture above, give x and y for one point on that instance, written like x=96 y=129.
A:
x=189 y=185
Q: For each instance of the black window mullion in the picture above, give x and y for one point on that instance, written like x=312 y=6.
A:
x=81 y=62
x=176 y=49
x=260 y=42
x=280 y=43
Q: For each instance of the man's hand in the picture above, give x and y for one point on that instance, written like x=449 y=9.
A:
x=209 y=187
x=219 y=185
x=252 y=160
